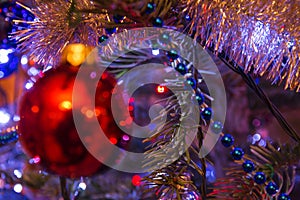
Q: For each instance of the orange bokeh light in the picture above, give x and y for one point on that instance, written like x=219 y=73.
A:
x=161 y=89
x=65 y=105
x=35 y=109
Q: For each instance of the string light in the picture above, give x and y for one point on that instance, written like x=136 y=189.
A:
x=18 y=188
x=29 y=85
x=4 y=117
x=82 y=186
x=17 y=173
x=35 y=160
x=4 y=55
x=161 y=89
x=24 y=60
x=155 y=52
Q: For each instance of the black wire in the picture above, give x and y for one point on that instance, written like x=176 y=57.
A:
x=263 y=97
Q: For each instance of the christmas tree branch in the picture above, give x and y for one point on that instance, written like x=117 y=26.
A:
x=63 y=186
x=276 y=163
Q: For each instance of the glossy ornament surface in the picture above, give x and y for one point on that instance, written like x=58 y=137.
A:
x=47 y=129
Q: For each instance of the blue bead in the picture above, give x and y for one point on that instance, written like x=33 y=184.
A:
x=283 y=196
x=172 y=54
x=158 y=22
x=259 y=178
x=200 y=98
x=110 y=31
x=248 y=166
x=227 y=140
x=150 y=8
x=237 y=153
x=164 y=38
x=102 y=39
x=118 y=18
x=8 y=137
x=217 y=127
x=207 y=113
x=187 y=18
x=192 y=82
x=181 y=68
x=271 y=188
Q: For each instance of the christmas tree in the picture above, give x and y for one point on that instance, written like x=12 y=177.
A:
x=149 y=99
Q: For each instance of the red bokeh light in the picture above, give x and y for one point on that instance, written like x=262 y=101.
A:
x=136 y=180
x=113 y=140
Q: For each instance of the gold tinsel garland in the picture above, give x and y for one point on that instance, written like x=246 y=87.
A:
x=57 y=25
x=262 y=36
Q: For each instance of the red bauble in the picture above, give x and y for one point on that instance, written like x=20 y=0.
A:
x=47 y=129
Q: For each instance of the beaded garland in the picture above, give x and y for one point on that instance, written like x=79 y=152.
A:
x=9 y=135
x=248 y=166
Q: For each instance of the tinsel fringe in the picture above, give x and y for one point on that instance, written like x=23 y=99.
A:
x=261 y=36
